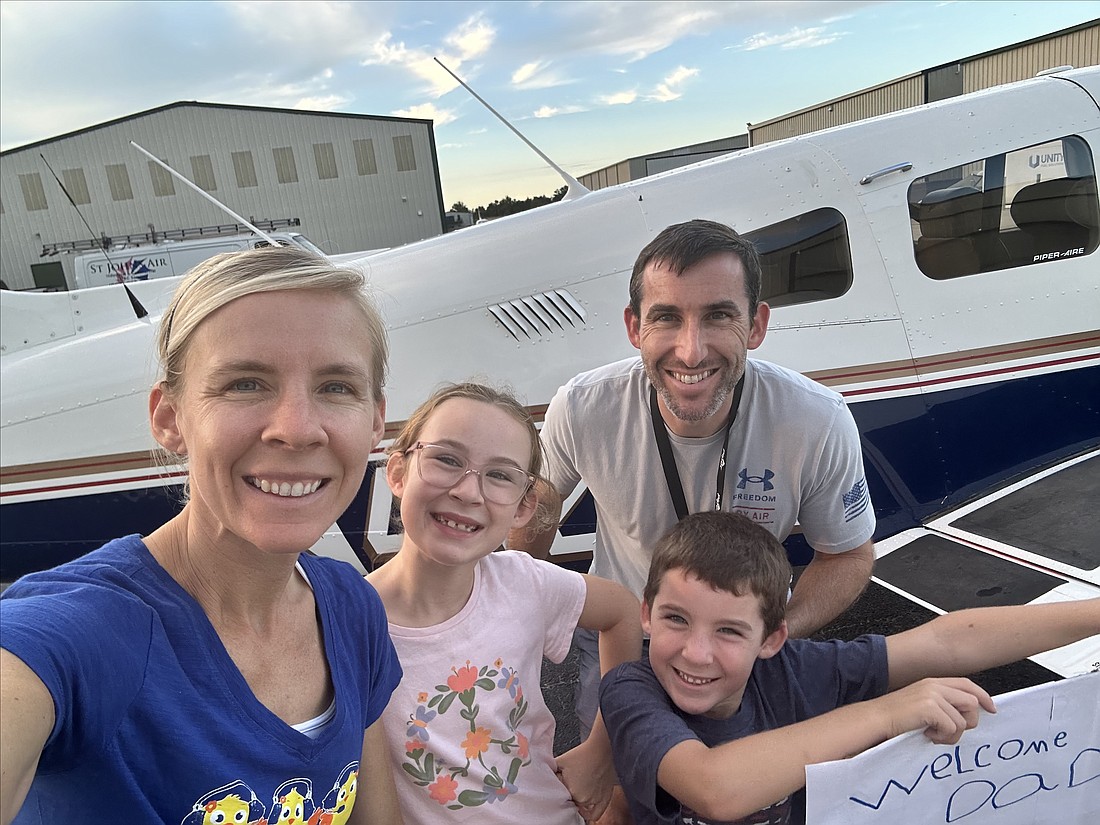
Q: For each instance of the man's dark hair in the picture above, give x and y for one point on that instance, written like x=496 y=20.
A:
x=729 y=552
x=683 y=245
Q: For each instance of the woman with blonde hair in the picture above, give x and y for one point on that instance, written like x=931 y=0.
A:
x=213 y=671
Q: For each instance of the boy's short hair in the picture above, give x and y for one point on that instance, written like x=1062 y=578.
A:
x=729 y=552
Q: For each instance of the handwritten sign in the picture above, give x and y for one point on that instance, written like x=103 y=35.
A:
x=1037 y=760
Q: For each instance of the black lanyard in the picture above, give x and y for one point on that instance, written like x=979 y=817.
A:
x=668 y=460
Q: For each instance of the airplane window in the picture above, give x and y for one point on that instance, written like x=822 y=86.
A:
x=1030 y=206
x=804 y=259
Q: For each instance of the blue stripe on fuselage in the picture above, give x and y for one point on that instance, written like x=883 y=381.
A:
x=923 y=454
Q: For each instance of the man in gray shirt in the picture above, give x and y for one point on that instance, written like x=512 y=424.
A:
x=693 y=425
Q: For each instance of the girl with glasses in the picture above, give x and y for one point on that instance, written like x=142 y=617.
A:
x=471 y=738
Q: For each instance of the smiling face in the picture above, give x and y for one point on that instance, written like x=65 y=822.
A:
x=457 y=525
x=345 y=799
x=276 y=416
x=703 y=643
x=694 y=331
x=228 y=811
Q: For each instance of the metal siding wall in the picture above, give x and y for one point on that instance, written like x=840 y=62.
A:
x=608 y=176
x=1078 y=49
x=894 y=97
x=636 y=168
x=881 y=100
x=342 y=214
x=622 y=172
x=944 y=82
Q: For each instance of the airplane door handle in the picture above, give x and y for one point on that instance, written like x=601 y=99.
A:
x=904 y=166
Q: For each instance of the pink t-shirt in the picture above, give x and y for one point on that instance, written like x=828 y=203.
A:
x=471 y=738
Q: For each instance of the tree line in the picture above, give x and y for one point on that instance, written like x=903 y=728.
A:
x=509 y=205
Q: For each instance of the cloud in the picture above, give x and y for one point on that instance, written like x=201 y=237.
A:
x=680 y=74
x=668 y=89
x=307 y=27
x=527 y=71
x=537 y=75
x=312 y=92
x=796 y=38
x=326 y=103
x=428 y=111
x=637 y=30
x=283 y=54
x=619 y=98
x=554 y=111
x=470 y=39
x=385 y=52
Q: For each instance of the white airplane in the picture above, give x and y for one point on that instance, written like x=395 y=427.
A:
x=937 y=266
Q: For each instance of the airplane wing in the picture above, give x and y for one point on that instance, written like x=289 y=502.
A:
x=1036 y=540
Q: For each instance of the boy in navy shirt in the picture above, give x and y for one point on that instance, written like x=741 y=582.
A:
x=721 y=669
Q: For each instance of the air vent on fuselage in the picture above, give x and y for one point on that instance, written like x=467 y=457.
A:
x=540 y=316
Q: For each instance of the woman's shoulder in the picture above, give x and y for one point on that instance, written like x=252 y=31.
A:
x=117 y=577
x=92 y=618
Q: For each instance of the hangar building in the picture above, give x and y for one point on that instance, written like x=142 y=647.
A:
x=645 y=165
x=1077 y=46
x=350 y=181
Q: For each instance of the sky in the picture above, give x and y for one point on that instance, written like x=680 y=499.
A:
x=590 y=83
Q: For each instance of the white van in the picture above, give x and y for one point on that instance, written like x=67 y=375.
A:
x=167 y=259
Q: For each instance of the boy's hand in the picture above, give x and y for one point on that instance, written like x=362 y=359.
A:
x=943 y=708
x=589 y=776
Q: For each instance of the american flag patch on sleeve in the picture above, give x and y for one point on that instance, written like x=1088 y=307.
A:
x=856 y=500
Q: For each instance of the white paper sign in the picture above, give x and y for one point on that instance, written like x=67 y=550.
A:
x=1036 y=761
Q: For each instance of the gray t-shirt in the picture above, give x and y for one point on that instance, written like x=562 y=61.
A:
x=793 y=455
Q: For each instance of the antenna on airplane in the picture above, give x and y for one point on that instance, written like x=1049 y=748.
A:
x=77 y=208
x=139 y=310
x=574 y=188
x=205 y=194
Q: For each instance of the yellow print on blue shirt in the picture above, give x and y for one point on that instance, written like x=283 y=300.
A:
x=237 y=804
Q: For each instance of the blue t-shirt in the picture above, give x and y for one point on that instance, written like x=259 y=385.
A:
x=153 y=720
x=803 y=680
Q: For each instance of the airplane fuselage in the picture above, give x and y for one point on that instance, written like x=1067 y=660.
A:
x=965 y=341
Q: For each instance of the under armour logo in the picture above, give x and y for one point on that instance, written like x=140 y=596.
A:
x=765 y=479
